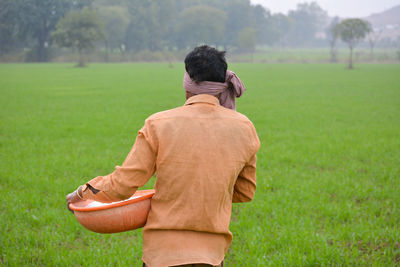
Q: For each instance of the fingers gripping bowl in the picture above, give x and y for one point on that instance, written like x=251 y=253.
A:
x=114 y=217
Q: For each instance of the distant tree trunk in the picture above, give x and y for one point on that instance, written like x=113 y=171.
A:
x=333 y=52
x=371 y=47
x=351 y=58
x=81 y=62
x=373 y=38
x=42 y=36
x=107 y=50
x=41 y=52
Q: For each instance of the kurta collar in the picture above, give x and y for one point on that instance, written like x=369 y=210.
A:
x=203 y=98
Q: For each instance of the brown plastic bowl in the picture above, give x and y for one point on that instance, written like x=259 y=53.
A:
x=114 y=217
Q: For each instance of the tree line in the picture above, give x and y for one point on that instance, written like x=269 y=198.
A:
x=121 y=26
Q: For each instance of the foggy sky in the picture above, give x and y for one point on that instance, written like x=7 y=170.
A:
x=342 y=8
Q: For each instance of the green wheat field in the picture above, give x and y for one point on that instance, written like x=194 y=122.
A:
x=328 y=190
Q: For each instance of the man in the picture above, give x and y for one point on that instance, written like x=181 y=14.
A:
x=204 y=156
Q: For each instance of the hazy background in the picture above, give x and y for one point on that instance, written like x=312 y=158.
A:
x=250 y=31
x=342 y=8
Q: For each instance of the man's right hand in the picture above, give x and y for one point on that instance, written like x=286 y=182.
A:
x=72 y=198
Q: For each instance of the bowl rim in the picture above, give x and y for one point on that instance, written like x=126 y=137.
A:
x=143 y=195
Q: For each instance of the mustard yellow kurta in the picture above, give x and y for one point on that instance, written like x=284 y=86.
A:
x=204 y=156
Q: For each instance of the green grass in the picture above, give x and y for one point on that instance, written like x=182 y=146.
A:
x=328 y=169
x=317 y=55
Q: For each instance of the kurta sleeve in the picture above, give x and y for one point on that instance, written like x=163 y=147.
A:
x=245 y=185
x=136 y=170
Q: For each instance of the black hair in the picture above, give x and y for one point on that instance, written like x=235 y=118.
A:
x=206 y=63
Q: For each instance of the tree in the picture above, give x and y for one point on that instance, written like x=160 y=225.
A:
x=332 y=36
x=352 y=31
x=80 y=30
x=116 y=20
x=201 y=24
x=239 y=16
x=8 y=25
x=263 y=25
x=246 y=40
x=282 y=26
x=137 y=36
x=37 y=19
x=151 y=25
x=308 y=18
x=373 y=37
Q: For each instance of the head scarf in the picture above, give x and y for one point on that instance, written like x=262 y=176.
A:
x=231 y=88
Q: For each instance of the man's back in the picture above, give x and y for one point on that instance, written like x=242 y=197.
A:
x=205 y=160
x=204 y=157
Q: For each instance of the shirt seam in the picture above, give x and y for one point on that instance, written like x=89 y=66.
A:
x=183 y=261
